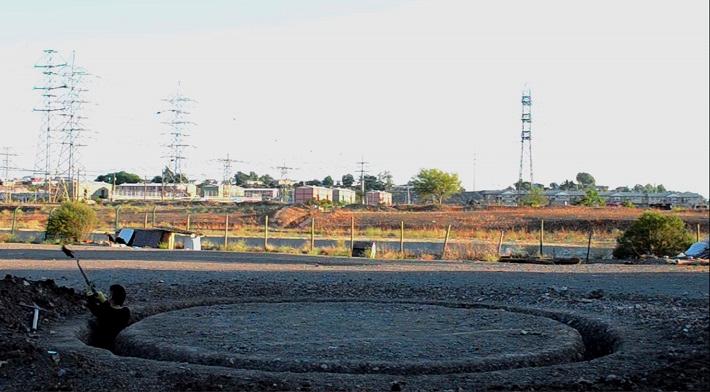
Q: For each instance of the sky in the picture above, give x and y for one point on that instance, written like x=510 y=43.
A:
x=619 y=89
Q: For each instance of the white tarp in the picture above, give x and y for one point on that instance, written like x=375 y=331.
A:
x=192 y=243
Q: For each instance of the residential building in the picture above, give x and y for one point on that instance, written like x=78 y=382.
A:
x=154 y=191
x=304 y=194
x=344 y=196
x=376 y=198
x=266 y=194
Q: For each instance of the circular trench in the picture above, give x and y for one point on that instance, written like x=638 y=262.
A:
x=353 y=337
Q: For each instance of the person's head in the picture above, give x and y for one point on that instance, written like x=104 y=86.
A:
x=118 y=294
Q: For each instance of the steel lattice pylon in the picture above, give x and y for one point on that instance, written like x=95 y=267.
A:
x=526 y=138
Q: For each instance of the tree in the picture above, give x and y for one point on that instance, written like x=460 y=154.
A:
x=122 y=177
x=535 y=198
x=653 y=234
x=348 y=180
x=622 y=189
x=568 y=185
x=268 y=181
x=585 y=180
x=386 y=179
x=73 y=221
x=592 y=199
x=554 y=186
x=435 y=184
x=241 y=178
x=314 y=183
x=372 y=183
x=522 y=185
x=660 y=188
x=168 y=177
x=328 y=182
x=638 y=188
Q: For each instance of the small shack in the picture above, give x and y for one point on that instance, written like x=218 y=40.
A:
x=159 y=238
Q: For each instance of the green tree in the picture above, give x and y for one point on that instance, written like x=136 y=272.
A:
x=568 y=185
x=592 y=199
x=347 y=180
x=585 y=180
x=435 y=184
x=386 y=179
x=72 y=221
x=122 y=177
x=653 y=234
x=660 y=188
x=372 y=183
x=534 y=198
x=168 y=177
x=268 y=181
x=554 y=186
x=314 y=183
x=522 y=185
x=328 y=182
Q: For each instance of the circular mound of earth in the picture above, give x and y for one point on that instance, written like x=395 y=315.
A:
x=352 y=337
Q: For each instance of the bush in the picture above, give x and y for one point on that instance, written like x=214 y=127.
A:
x=653 y=234
x=535 y=198
x=72 y=221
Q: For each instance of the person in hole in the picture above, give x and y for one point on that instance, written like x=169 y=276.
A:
x=110 y=316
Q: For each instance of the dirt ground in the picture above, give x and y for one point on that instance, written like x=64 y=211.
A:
x=645 y=327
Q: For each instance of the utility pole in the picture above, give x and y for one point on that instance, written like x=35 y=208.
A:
x=473 y=188
x=362 y=171
x=51 y=66
x=526 y=139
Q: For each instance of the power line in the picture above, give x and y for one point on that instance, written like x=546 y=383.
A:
x=179 y=125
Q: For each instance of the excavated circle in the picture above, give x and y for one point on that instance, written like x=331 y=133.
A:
x=352 y=337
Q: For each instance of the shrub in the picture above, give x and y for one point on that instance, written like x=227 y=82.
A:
x=535 y=198
x=72 y=221
x=653 y=234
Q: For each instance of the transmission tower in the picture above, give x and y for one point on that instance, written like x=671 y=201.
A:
x=285 y=187
x=362 y=171
x=526 y=139
x=51 y=65
x=6 y=162
x=72 y=127
x=227 y=174
x=178 y=124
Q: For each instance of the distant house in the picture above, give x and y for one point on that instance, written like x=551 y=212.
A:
x=304 y=194
x=404 y=194
x=344 y=196
x=154 y=191
x=265 y=194
x=220 y=191
x=376 y=198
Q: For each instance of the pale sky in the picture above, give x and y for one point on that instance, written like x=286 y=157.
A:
x=620 y=88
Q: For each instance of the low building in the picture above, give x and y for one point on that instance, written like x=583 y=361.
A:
x=304 y=194
x=154 y=191
x=344 y=196
x=265 y=194
x=220 y=191
x=404 y=194
x=376 y=198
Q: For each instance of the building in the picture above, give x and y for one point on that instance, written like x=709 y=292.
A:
x=220 y=192
x=344 y=196
x=263 y=194
x=557 y=197
x=154 y=191
x=304 y=194
x=376 y=198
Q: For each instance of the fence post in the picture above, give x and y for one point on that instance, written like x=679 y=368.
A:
x=14 y=221
x=226 y=231
x=154 y=208
x=401 y=238
x=589 y=244
x=697 y=232
x=187 y=224
x=145 y=221
x=313 y=233
x=352 y=233
x=446 y=242
x=542 y=236
x=116 y=221
x=266 y=233
x=500 y=242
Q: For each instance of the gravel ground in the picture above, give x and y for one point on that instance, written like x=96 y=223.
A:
x=652 y=318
